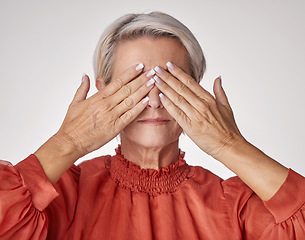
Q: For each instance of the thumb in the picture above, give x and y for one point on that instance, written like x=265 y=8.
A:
x=220 y=94
x=82 y=91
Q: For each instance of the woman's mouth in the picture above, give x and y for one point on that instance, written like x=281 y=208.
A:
x=154 y=121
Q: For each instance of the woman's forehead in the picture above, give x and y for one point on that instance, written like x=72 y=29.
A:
x=151 y=52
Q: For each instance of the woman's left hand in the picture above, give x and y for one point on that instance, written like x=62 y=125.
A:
x=208 y=121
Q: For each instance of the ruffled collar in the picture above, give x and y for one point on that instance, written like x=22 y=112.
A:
x=165 y=180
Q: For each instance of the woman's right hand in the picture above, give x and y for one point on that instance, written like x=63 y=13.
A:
x=91 y=123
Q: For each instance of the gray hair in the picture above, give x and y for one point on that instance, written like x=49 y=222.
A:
x=154 y=24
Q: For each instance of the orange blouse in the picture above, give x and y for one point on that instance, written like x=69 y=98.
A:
x=111 y=198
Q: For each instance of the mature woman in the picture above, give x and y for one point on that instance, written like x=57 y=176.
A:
x=148 y=67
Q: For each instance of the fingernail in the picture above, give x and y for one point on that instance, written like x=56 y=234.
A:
x=220 y=79
x=145 y=100
x=157 y=79
x=150 y=73
x=158 y=70
x=150 y=82
x=170 y=65
x=139 y=67
x=83 y=77
x=161 y=95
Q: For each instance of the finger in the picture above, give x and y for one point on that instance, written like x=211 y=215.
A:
x=126 y=77
x=127 y=90
x=181 y=89
x=203 y=101
x=220 y=94
x=182 y=119
x=131 y=114
x=82 y=91
x=178 y=73
x=180 y=100
x=222 y=99
x=132 y=100
x=200 y=107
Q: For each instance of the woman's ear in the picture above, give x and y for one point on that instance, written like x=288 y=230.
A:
x=100 y=83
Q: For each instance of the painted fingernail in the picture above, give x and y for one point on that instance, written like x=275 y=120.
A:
x=158 y=70
x=139 y=66
x=150 y=82
x=151 y=73
x=145 y=100
x=84 y=77
x=157 y=79
x=161 y=95
x=170 y=65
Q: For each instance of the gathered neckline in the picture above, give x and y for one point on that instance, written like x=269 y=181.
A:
x=151 y=181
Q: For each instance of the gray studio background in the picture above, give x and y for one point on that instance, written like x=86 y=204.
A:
x=256 y=46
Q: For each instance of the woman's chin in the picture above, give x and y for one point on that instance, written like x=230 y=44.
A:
x=148 y=141
x=154 y=145
x=150 y=138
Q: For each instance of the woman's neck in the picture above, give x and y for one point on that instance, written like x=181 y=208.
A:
x=150 y=157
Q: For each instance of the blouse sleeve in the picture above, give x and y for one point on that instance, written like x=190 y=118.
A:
x=281 y=217
x=25 y=193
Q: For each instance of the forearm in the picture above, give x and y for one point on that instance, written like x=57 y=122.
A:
x=260 y=172
x=56 y=156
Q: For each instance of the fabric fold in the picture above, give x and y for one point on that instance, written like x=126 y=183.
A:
x=111 y=197
x=289 y=198
x=130 y=176
x=36 y=181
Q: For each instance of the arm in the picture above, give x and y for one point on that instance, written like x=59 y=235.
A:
x=26 y=190
x=281 y=217
x=25 y=197
x=91 y=123
x=260 y=172
x=24 y=194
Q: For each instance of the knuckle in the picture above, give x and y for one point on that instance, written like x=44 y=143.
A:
x=204 y=108
x=126 y=90
x=105 y=106
x=110 y=118
x=181 y=115
x=129 y=102
x=127 y=116
x=210 y=99
x=182 y=88
x=118 y=82
x=179 y=99
x=90 y=106
x=102 y=94
x=189 y=81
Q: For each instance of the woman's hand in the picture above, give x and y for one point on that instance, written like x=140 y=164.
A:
x=208 y=121
x=91 y=123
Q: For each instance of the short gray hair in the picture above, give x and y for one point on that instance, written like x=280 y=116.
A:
x=154 y=24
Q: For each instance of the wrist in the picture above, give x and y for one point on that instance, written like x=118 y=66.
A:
x=232 y=147
x=56 y=156
x=260 y=172
x=66 y=146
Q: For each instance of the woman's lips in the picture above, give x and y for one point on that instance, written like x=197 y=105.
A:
x=154 y=121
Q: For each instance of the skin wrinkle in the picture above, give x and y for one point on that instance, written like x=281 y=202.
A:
x=206 y=120
x=151 y=146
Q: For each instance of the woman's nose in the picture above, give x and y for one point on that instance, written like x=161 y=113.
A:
x=154 y=99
